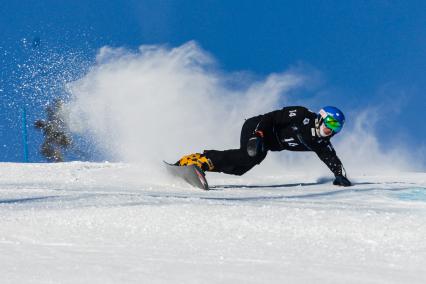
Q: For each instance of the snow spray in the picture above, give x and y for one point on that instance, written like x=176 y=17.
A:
x=159 y=103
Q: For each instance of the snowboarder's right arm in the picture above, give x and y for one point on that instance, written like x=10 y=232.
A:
x=328 y=155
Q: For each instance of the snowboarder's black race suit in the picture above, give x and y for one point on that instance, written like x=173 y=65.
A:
x=291 y=128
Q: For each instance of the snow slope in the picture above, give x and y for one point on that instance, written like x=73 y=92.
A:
x=103 y=223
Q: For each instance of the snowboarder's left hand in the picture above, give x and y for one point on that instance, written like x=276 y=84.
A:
x=342 y=181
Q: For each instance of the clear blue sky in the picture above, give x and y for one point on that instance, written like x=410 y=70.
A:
x=369 y=52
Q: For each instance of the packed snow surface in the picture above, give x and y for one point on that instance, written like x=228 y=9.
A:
x=105 y=223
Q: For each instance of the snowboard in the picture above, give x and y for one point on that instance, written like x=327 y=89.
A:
x=191 y=174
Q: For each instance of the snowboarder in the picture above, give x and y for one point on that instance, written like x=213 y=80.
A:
x=54 y=131
x=293 y=128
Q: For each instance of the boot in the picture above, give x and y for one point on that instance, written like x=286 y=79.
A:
x=197 y=159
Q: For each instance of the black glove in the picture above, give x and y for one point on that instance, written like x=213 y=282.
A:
x=255 y=144
x=342 y=181
x=39 y=124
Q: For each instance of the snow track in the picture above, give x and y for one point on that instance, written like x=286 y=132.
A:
x=103 y=223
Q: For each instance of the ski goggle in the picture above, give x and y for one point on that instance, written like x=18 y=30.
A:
x=331 y=123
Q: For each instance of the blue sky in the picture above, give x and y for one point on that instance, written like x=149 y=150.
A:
x=369 y=53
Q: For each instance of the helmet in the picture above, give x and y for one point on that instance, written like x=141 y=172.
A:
x=332 y=117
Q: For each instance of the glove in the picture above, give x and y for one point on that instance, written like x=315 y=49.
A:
x=255 y=144
x=342 y=181
x=39 y=124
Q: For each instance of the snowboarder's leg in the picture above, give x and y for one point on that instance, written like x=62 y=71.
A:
x=234 y=161
x=50 y=152
x=237 y=161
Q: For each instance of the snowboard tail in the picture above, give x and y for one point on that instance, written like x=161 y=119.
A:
x=191 y=174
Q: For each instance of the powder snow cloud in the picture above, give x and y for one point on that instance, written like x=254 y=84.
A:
x=160 y=102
